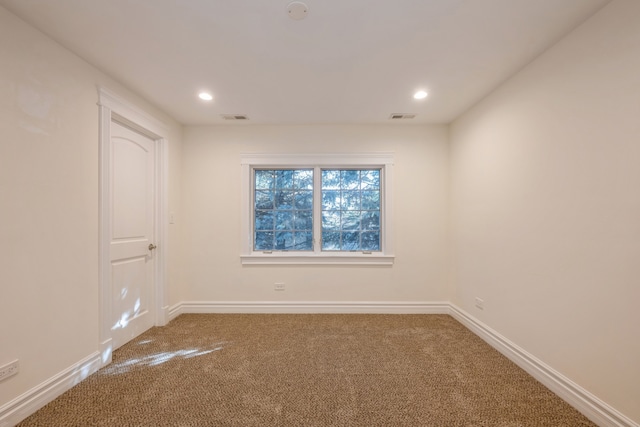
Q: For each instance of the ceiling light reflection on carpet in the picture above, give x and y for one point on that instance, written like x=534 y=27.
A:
x=421 y=94
x=205 y=96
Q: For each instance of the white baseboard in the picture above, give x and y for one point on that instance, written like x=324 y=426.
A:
x=312 y=307
x=26 y=404
x=589 y=405
x=106 y=352
x=163 y=316
x=174 y=311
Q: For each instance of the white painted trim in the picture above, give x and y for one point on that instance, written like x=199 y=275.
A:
x=372 y=307
x=27 y=403
x=104 y=270
x=161 y=231
x=287 y=258
x=322 y=160
x=589 y=405
x=115 y=109
x=106 y=351
x=130 y=114
x=384 y=160
x=174 y=311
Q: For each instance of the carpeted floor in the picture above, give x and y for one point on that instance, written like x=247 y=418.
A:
x=309 y=370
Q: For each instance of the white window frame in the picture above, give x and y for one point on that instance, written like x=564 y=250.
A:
x=382 y=161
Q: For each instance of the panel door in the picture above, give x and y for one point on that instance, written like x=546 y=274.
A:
x=132 y=233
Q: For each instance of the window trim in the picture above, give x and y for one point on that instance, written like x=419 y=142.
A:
x=384 y=161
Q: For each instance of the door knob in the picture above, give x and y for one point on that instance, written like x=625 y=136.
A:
x=152 y=246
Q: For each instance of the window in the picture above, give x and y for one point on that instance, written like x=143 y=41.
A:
x=283 y=209
x=316 y=209
x=350 y=209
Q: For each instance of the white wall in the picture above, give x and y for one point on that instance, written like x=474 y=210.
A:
x=49 y=205
x=546 y=207
x=211 y=206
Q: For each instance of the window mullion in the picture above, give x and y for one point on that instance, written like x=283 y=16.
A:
x=317 y=209
x=252 y=200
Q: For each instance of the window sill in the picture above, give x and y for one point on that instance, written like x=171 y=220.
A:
x=325 y=259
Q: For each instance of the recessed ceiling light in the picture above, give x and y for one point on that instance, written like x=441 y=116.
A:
x=420 y=94
x=205 y=96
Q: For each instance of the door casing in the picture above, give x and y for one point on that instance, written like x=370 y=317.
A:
x=114 y=109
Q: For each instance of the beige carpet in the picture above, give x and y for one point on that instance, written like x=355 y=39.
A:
x=308 y=370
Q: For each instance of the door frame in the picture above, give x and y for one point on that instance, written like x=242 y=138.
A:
x=112 y=108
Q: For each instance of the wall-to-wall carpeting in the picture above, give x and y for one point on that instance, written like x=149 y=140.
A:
x=308 y=370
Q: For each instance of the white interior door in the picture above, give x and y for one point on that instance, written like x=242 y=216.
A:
x=132 y=233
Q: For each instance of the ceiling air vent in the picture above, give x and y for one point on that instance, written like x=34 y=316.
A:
x=399 y=116
x=235 y=117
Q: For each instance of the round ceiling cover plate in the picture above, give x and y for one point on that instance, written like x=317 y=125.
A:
x=297 y=10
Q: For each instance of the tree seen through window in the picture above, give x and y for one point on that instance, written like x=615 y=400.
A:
x=283 y=210
x=349 y=210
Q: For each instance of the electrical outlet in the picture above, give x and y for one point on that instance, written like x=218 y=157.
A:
x=8 y=370
x=278 y=287
x=480 y=303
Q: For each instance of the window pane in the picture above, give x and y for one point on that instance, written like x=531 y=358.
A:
x=284 y=241
x=304 y=199
x=264 y=240
x=351 y=210
x=330 y=179
x=331 y=200
x=264 y=180
x=284 y=179
x=331 y=220
x=350 y=241
x=303 y=179
x=370 y=200
x=370 y=241
x=283 y=210
x=370 y=180
x=264 y=220
x=331 y=241
x=303 y=220
x=370 y=221
x=284 y=199
x=350 y=220
x=284 y=220
x=264 y=199
x=350 y=179
x=351 y=200
x=303 y=241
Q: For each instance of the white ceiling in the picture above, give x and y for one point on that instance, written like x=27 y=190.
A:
x=349 y=61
